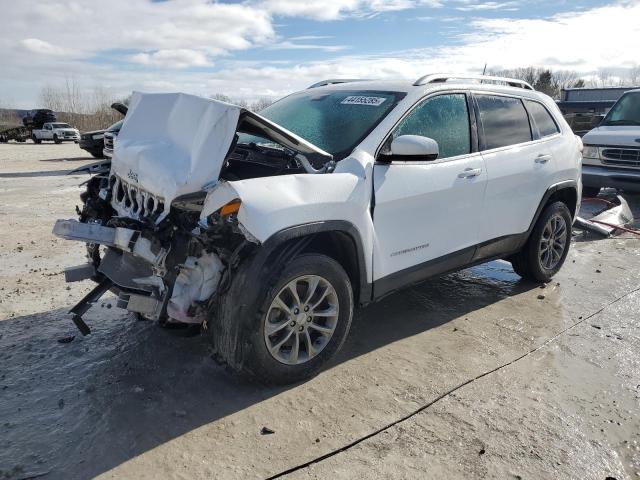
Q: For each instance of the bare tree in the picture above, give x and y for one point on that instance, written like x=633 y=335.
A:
x=260 y=104
x=84 y=109
x=8 y=116
x=221 y=97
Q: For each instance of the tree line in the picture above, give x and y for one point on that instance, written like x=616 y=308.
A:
x=90 y=109
x=552 y=82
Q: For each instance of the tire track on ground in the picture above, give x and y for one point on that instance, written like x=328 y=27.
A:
x=422 y=408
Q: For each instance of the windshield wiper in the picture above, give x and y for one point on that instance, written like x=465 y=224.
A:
x=622 y=122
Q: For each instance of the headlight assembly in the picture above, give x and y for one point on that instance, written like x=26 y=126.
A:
x=591 y=152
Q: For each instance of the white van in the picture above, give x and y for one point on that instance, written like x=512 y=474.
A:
x=611 y=155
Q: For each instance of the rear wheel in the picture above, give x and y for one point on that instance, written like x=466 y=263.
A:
x=299 y=322
x=36 y=139
x=547 y=247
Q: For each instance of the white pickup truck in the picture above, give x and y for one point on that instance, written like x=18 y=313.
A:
x=58 y=132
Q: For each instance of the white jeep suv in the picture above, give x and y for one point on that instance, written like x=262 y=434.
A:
x=266 y=231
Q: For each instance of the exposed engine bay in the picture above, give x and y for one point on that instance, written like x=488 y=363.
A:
x=155 y=252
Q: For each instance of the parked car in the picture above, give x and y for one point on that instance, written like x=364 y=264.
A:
x=57 y=132
x=611 y=156
x=268 y=230
x=93 y=142
x=110 y=139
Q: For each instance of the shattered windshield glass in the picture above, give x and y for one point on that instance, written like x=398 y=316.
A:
x=334 y=121
x=625 y=112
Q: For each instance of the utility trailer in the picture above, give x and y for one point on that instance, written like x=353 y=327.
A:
x=19 y=134
x=56 y=132
x=32 y=124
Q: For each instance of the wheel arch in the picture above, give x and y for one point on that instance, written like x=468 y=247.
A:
x=566 y=192
x=338 y=239
x=243 y=295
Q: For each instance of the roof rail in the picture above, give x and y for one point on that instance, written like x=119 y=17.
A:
x=333 y=81
x=443 y=77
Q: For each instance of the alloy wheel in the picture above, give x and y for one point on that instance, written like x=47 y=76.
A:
x=301 y=319
x=553 y=242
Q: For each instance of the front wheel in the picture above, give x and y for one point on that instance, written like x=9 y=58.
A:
x=547 y=247
x=56 y=139
x=300 y=321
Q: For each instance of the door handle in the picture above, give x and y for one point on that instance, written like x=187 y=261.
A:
x=470 y=172
x=543 y=158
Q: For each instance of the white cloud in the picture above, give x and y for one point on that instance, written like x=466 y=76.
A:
x=40 y=47
x=336 y=9
x=168 y=37
x=289 y=45
x=474 y=6
x=87 y=28
x=174 y=58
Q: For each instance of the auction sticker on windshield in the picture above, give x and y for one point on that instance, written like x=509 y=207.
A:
x=361 y=100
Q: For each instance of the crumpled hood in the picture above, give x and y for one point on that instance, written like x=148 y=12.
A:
x=172 y=144
x=617 y=135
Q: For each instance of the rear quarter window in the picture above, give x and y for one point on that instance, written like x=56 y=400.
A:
x=542 y=118
x=503 y=121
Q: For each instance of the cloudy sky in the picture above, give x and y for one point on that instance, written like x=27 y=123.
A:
x=268 y=48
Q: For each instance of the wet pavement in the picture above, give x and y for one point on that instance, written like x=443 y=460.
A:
x=476 y=374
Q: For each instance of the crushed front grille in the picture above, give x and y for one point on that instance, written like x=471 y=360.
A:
x=133 y=202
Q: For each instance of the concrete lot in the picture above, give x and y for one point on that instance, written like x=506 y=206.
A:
x=473 y=375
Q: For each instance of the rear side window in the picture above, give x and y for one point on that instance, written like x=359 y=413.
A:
x=444 y=118
x=544 y=121
x=504 y=121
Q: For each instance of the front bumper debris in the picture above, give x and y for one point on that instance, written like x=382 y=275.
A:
x=126 y=239
x=85 y=304
x=128 y=269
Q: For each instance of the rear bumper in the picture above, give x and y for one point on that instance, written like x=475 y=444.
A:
x=624 y=179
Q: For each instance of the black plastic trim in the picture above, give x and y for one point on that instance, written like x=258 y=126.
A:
x=306 y=231
x=545 y=198
x=416 y=274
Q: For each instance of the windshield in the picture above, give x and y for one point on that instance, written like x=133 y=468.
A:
x=626 y=111
x=335 y=121
x=60 y=125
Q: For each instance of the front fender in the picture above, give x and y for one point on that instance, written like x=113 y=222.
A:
x=272 y=204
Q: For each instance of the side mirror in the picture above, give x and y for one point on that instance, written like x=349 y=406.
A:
x=412 y=148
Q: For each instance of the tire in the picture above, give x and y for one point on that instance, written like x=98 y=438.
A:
x=96 y=154
x=590 y=192
x=56 y=140
x=36 y=140
x=531 y=263
x=249 y=353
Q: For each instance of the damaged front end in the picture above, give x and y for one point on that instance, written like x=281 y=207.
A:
x=141 y=220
